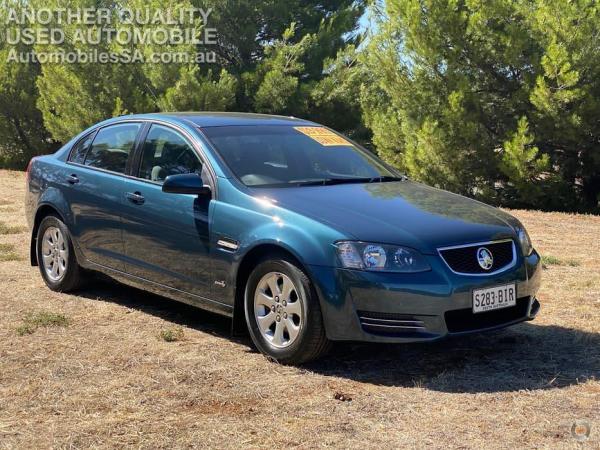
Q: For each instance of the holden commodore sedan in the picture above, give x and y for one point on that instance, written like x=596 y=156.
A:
x=288 y=227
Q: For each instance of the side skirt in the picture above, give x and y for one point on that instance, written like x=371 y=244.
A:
x=161 y=289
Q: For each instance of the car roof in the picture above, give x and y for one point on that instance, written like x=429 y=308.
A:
x=215 y=119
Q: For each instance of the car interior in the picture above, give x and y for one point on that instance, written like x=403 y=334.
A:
x=276 y=159
x=111 y=147
x=164 y=154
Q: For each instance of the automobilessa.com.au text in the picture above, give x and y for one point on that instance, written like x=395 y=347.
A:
x=109 y=35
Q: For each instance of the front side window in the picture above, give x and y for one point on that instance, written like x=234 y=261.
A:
x=166 y=153
x=281 y=156
x=112 y=146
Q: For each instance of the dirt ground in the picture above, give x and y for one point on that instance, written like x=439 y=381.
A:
x=116 y=367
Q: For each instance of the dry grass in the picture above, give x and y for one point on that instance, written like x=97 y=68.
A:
x=10 y=229
x=549 y=260
x=7 y=253
x=107 y=381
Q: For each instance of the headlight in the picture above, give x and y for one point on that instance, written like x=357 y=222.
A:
x=524 y=240
x=380 y=257
x=374 y=257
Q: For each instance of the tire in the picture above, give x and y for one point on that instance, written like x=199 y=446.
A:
x=56 y=256
x=285 y=325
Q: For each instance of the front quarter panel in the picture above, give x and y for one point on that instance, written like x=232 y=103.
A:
x=252 y=221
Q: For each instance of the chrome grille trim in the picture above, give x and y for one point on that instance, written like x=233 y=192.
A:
x=479 y=244
x=393 y=327
x=392 y=323
x=387 y=324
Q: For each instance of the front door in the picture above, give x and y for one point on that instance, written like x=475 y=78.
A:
x=166 y=236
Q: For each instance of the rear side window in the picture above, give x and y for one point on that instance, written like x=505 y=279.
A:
x=80 y=149
x=112 y=146
x=166 y=153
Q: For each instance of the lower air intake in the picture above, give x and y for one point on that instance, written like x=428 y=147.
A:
x=460 y=320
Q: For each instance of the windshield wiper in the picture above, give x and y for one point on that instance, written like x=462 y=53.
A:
x=386 y=178
x=330 y=181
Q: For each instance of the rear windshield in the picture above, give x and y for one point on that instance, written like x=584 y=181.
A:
x=281 y=155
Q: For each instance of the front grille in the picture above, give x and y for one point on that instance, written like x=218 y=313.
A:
x=389 y=324
x=460 y=320
x=464 y=260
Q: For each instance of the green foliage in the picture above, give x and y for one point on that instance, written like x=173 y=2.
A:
x=494 y=99
x=277 y=77
x=549 y=260
x=171 y=334
x=270 y=58
x=193 y=92
x=22 y=135
x=522 y=166
x=337 y=94
x=41 y=319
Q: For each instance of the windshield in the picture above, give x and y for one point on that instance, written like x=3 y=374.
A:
x=281 y=155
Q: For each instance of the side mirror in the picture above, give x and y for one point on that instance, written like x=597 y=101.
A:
x=186 y=183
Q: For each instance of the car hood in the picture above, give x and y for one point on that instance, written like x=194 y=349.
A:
x=403 y=213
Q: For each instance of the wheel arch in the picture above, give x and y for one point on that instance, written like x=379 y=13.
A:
x=245 y=266
x=44 y=210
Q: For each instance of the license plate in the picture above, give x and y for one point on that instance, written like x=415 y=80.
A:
x=496 y=297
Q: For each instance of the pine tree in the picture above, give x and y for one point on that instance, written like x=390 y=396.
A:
x=22 y=134
x=495 y=99
x=270 y=57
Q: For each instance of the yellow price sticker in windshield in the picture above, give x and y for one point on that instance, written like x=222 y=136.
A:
x=323 y=136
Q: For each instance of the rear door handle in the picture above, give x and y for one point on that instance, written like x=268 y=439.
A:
x=72 y=179
x=135 y=197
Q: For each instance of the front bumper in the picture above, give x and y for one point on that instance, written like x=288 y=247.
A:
x=388 y=307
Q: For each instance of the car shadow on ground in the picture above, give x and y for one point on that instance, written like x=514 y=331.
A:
x=526 y=356
x=103 y=288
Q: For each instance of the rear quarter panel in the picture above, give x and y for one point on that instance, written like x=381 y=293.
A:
x=44 y=188
x=41 y=190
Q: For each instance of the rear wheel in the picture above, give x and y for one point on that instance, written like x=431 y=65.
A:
x=283 y=313
x=56 y=256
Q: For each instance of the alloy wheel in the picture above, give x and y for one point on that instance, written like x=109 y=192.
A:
x=55 y=253
x=278 y=309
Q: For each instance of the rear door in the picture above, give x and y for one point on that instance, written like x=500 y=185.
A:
x=94 y=185
x=166 y=236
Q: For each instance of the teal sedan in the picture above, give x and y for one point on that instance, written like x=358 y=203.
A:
x=297 y=233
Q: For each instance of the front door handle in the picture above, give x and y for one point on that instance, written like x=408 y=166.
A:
x=135 y=197
x=72 y=179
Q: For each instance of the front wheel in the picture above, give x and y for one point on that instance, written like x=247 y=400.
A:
x=283 y=313
x=56 y=256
